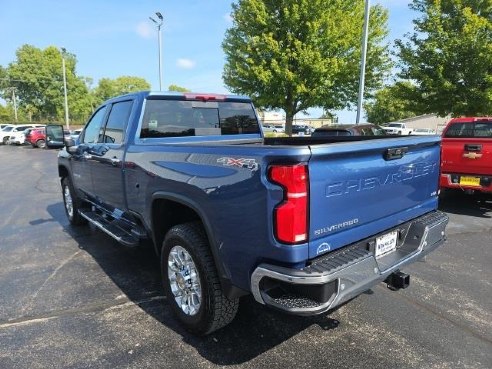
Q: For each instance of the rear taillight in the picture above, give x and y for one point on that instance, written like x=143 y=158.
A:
x=291 y=215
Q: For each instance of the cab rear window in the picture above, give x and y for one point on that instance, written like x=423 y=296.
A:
x=177 y=118
x=469 y=129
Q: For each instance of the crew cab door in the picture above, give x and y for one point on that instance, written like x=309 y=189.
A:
x=81 y=172
x=107 y=157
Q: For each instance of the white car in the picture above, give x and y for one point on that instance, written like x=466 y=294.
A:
x=397 y=129
x=14 y=134
x=423 y=131
x=272 y=128
x=5 y=133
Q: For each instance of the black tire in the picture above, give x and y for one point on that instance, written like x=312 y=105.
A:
x=215 y=310
x=41 y=144
x=72 y=203
x=5 y=140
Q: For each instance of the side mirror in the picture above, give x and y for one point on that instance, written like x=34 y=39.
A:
x=69 y=142
x=71 y=145
x=54 y=136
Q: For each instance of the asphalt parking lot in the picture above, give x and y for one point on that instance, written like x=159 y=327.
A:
x=73 y=298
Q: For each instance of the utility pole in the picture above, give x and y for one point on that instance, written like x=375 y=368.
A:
x=14 y=100
x=363 y=61
x=65 y=86
x=159 y=24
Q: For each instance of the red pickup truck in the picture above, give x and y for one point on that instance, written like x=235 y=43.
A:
x=467 y=154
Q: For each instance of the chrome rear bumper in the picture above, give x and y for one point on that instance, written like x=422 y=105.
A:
x=341 y=275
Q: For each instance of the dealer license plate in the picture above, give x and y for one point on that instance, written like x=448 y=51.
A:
x=386 y=244
x=469 y=181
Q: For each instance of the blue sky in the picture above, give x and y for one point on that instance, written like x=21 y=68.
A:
x=112 y=38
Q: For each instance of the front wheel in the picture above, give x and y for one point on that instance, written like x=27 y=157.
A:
x=72 y=203
x=191 y=282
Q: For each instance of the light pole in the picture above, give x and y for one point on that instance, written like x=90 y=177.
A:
x=65 y=86
x=363 y=62
x=14 y=101
x=159 y=24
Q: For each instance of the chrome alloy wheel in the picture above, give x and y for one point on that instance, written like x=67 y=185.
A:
x=68 y=201
x=184 y=280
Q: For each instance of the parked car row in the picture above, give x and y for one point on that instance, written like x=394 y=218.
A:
x=15 y=134
x=363 y=129
x=366 y=129
x=33 y=134
x=297 y=129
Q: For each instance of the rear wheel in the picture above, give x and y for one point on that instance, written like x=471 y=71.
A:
x=72 y=203
x=191 y=282
x=41 y=144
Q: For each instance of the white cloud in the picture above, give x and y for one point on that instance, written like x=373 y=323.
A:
x=144 y=30
x=185 y=63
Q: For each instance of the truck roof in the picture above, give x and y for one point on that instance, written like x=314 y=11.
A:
x=186 y=96
x=469 y=119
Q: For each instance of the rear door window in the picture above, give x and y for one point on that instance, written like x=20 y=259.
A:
x=177 y=118
x=114 y=131
x=483 y=129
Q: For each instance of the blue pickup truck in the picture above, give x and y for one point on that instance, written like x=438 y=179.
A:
x=303 y=224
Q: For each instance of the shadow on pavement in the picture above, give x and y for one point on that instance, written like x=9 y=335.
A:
x=457 y=202
x=255 y=330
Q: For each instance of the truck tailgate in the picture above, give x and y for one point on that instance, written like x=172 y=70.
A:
x=467 y=155
x=360 y=189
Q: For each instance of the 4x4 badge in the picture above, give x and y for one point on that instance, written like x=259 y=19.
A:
x=241 y=163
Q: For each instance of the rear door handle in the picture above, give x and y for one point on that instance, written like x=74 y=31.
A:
x=115 y=161
x=473 y=147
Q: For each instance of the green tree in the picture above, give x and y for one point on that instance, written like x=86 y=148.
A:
x=37 y=76
x=108 y=88
x=177 y=88
x=389 y=104
x=449 y=57
x=3 y=78
x=5 y=114
x=297 y=54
